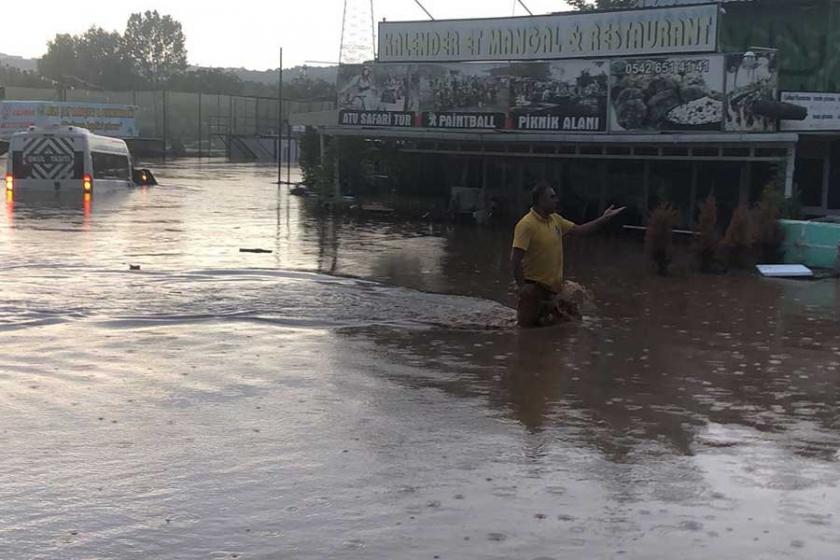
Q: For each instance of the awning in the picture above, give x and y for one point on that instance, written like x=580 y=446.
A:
x=692 y=147
x=497 y=137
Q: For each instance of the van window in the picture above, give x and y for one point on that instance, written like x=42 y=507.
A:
x=49 y=166
x=110 y=166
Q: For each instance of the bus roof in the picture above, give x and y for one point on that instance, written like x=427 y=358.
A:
x=93 y=141
x=54 y=131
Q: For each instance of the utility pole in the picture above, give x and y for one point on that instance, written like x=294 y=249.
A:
x=165 y=132
x=280 y=120
x=200 y=153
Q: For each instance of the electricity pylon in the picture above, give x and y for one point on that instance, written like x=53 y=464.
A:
x=358 y=43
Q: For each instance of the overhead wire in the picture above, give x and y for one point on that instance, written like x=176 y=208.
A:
x=422 y=7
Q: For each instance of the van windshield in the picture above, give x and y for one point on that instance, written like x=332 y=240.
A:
x=110 y=166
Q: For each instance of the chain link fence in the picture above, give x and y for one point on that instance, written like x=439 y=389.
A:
x=198 y=122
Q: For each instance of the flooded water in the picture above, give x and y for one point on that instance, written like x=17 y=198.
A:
x=359 y=392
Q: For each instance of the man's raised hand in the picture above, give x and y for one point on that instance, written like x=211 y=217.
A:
x=612 y=211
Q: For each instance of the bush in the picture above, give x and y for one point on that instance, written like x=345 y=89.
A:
x=736 y=247
x=707 y=240
x=768 y=235
x=659 y=236
x=310 y=156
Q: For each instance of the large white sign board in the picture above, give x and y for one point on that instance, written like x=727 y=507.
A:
x=823 y=111
x=680 y=29
x=105 y=119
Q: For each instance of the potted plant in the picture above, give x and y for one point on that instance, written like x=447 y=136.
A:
x=706 y=239
x=736 y=246
x=659 y=236
x=768 y=235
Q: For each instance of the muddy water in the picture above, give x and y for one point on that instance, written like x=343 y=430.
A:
x=358 y=392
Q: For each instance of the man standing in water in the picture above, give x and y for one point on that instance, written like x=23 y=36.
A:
x=537 y=256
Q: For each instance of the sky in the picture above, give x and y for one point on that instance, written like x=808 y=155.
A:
x=242 y=33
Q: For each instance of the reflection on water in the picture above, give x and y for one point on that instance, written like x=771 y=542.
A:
x=361 y=387
x=10 y=207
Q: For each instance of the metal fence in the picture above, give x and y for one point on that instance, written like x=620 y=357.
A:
x=187 y=119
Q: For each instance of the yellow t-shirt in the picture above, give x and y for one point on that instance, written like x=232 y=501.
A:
x=542 y=240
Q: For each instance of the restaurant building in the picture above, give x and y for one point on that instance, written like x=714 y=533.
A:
x=629 y=107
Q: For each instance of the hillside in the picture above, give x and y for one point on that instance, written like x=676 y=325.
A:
x=267 y=77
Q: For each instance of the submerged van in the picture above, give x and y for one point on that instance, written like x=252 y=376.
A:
x=66 y=160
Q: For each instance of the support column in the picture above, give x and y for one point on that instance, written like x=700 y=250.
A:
x=321 y=146
x=560 y=178
x=483 y=205
x=520 y=186
x=337 y=186
x=603 y=177
x=746 y=183
x=692 y=207
x=790 y=169
x=483 y=177
x=645 y=191
x=826 y=180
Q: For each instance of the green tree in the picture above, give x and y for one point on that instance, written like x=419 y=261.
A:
x=207 y=80
x=101 y=60
x=94 y=59
x=307 y=89
x=11 y=76
x=156 y=46
x=61 y=58
x=310 y=157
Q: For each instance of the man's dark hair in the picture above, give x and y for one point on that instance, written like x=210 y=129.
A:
x=538 y=191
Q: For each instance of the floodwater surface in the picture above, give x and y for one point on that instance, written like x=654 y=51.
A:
x=360 y=392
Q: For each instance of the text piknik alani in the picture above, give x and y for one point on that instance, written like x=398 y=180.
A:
x=549 y=122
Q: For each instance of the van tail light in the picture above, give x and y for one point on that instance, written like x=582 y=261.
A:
x=87 y=184
x=10 y=182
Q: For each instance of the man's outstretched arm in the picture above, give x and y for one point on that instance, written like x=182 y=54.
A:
x=590 y=227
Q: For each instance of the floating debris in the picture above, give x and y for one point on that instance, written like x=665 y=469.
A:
x=785 y=271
